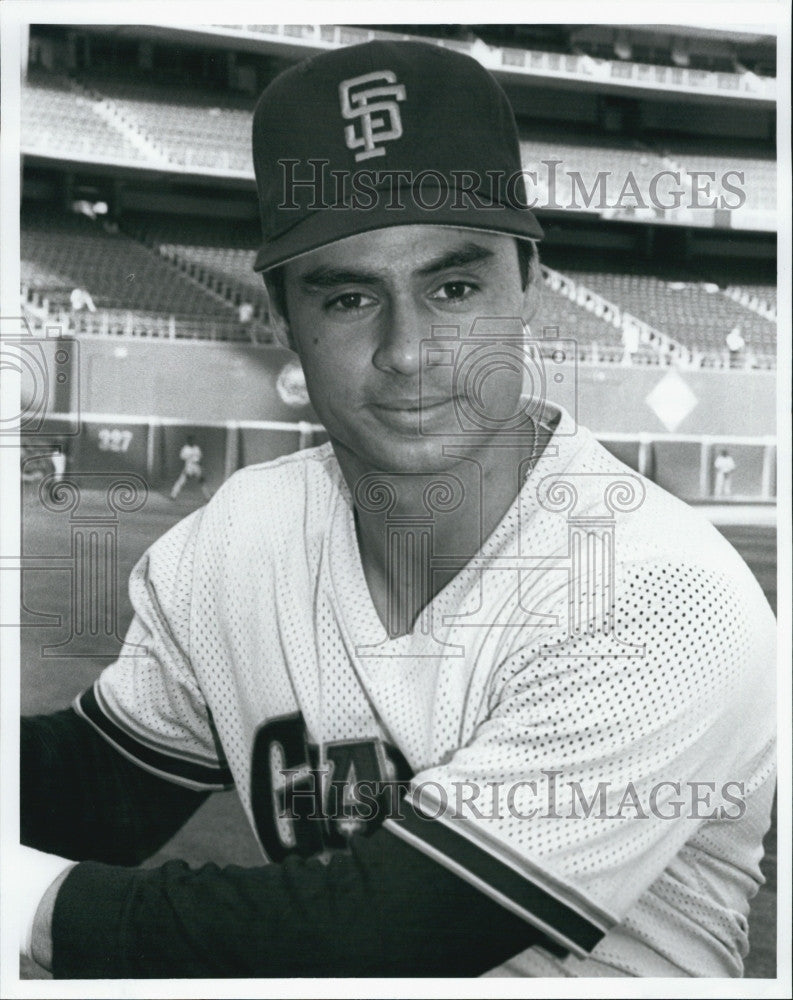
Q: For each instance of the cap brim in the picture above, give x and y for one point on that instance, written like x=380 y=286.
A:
x=331 y=224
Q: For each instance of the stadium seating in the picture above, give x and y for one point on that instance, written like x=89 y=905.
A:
x=202 y=268
x=719 y=157
x=696 y=313
x=592 y=333
x=118 y=272
x=212 y=251
x=758 y=297
x=55 y=119
x=210 y=130
x=38 y=278
x=194 y=128
x=617 y=161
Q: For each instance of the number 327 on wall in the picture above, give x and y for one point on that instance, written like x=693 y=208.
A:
x=114 y=439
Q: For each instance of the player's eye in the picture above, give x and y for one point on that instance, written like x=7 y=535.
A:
x=349 y=302
x=454 y=291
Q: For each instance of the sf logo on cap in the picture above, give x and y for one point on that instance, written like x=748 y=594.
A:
x=359 y=101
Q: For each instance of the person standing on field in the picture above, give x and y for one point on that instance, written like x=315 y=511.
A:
x=191 y=455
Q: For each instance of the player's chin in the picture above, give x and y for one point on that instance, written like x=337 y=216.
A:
x=402 y=452
x=425 y=457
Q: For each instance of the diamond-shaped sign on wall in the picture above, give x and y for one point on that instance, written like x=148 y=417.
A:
x=671 y=400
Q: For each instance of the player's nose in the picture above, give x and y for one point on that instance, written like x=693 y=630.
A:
x=403 y=327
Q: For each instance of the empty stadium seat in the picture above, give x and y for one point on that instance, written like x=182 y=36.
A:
x=194 y=128
x=210 y=249
x=719 y=156
x=696 y=313
x=54 y=119
x=574 y=321
x=116 y=270
x=618 y=161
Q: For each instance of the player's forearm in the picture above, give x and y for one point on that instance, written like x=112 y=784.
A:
x=41 y=937
x=82 y=799
x=384 y=909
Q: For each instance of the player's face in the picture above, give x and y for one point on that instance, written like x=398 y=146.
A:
x=360 y=312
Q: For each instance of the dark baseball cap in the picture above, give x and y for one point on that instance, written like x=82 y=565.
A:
x=384 y=134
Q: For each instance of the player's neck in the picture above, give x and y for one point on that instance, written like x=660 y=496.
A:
x=407 y=524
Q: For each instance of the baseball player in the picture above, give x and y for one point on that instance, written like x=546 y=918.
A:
x=191 y=456
x=481 y=689
x=723 y=466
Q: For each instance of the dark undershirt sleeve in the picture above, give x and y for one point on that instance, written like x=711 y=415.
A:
x=382 y=908
x=81 y=799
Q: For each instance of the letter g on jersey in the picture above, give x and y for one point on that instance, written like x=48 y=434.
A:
x=359 y=101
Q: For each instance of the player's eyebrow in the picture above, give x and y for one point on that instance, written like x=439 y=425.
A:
x=331 y=277
x=468 y=253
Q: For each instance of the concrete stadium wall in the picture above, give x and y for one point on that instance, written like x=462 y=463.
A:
x=613 y=399
x=186 y=380
x=110 y=444
x=208 y=382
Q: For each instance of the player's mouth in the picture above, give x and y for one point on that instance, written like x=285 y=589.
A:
x=411 y=412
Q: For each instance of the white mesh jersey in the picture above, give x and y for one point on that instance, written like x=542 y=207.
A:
x=586 y=708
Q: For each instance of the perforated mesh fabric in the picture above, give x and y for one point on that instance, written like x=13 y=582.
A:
x=544 y=655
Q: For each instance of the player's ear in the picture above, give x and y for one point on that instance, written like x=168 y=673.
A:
x=276 y=293
x=531 y=279
x=281 y=332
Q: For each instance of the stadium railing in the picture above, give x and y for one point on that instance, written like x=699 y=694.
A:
x=116 y=323
x=693 y=312
x=157 y=326
x=668 y=349
x=746 y=86
x=759 y=298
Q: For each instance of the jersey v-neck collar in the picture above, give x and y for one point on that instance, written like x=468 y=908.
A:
x=358 y=616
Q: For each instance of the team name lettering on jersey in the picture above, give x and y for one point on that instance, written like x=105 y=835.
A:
x=305 y=801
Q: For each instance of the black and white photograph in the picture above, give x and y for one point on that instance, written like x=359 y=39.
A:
x=395 y=548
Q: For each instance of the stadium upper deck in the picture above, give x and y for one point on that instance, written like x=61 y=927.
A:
x=172 y=103
x=98 y=118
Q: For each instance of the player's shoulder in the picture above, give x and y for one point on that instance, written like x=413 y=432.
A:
x=315 y=468
x=278 y=495
x=655 y=534
x=676 y=560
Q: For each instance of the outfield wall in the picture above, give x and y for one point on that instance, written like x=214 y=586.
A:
x=149 y=447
